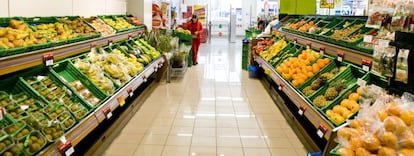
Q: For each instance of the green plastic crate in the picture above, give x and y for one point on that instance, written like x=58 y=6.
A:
x=338 y=102
x=65 y=71
x=4 y=22
x=34 y=21
x=350 y=75
x=333 y=64
x=333 y=151
x=75 y=98
x=286 y=53
x=95 y=35
x=113 y=17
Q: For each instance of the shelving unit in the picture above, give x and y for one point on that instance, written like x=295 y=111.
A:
x=318 y=129
x=80 y=131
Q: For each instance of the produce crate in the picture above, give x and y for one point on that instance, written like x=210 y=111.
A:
x=84 y=76
x=294 y=50
x=352 y=43
x=333 y=64
x=90 y=19
x=14 y=150
x=14 y=129
x=81 y=38
x=4 y=22
x=338 y=102
x=28 y=82
x=335 y=40
x=350 y=75
x=333 y=151
x=28 y=140
x=6 y=140
x=66 y=72
x=113 y=17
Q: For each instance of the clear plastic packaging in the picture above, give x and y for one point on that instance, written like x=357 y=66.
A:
x=402 y=66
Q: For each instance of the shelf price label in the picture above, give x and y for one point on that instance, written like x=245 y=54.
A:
x=383 y=43
x=280 y=87
x=295 y=40
x=302 y=109
x=340 y=56
x=107 y=112
x=93 y=47
x=321 y=130
x=308 y=45
x=130 y=92
x=66 y=148
x=121 y=100
x=110 y=41
x=48 y=59
x=366 y=64
x=130 y=36
x=322 y=50
x=368 y=38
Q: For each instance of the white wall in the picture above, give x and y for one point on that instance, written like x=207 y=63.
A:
x=4 y=8
x=61 y=7
x=141 y=9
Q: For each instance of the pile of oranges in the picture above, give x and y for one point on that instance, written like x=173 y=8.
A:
x=296 y=25
x=307 y=26
x=299 y=69
x=345 y=109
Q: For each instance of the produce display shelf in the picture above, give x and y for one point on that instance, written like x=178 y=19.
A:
x=324 y=129
x=22 y=61
x=87 y=125
x=350 y=55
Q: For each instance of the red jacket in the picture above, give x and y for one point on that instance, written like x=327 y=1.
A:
x=195 y=27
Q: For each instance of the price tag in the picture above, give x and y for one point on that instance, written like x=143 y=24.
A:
x=93 y=47
x=340 y=57
x=110 y=40
x=121 y=100
x=366 y=64
x=24 y=107
x=295 y=40
x=308 y=45
x=368 y=38
x=130 y=36
x=144 y=78
x=321 y=130
x=48 y=59
x=107 y=112
x=302 y=110
x=66 y=148
x=322 y=50
x=383 y=43
x=280 y=87
x=130 y=92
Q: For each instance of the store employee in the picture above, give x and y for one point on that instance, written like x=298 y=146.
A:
x=273 y=25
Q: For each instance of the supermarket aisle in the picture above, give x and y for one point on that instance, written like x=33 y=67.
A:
x=216 y=109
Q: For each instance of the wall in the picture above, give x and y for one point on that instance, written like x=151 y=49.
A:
x=142 y=9
x=9 y=8
x=300 y=7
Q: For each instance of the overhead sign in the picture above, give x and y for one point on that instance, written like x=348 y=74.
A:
x=327 y=4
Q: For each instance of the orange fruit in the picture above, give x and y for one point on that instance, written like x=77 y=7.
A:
x=354 y=97
x=315 y=68
x=359 y=90
x=295 y=83
x=345 y=103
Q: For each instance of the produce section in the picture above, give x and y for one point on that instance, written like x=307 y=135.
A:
x=67 y=98
x=323 y=89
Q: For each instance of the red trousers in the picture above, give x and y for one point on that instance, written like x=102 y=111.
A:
x=195 y=46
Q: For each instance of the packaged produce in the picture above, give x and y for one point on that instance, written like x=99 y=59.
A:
x=96 y=74
x=383 y=127
x=401 y=73
x=399 y=18
x=84 y=92
x=100 y=26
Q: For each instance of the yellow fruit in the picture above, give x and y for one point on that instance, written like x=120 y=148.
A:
x=337 y=118
x=359 y=91
x=346 y=113
x=329 y=113
x=382 y=115
x=389 y=139
x=407 y=117
x=394 y=124
x=371 y=143
x=362 y=152
x=385 y=151
x=355 y=142
x=355 y=124
x=393 y=109
x=406 y=152
x=345 y=103
x=354 y=97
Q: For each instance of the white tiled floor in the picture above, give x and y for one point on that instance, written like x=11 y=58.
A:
x=215 y=109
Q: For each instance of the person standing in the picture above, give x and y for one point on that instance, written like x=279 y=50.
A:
x=196 y=29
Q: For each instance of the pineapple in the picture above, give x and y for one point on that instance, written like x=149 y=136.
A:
x=331 y=93
x=308 y=91
x=320 y=81
x=320 y=101
x=328 y=75
x=340 y=85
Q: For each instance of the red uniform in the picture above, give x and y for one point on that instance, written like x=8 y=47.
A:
x=196 y=29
